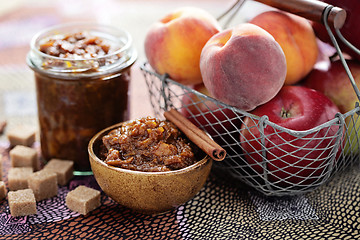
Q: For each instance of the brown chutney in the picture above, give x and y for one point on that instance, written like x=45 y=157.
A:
x=78 y=45
x=82 y=75
x=148 y=144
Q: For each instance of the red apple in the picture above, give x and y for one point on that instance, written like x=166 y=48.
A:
x=335 y=83
x=350 y=30
x=292 y=158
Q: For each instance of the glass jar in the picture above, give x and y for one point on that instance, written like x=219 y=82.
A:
x=79 y=94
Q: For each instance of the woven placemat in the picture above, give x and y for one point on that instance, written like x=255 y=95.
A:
x=223 y=209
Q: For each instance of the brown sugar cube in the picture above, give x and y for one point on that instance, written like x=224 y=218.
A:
x=22 y=202
x=44 y=184
x=63 y=168
x=21 y=135
x=83 y=199
x=17 y=177
x=2 y=190
x=22 y=156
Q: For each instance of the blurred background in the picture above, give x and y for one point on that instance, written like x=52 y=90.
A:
x=21 y=19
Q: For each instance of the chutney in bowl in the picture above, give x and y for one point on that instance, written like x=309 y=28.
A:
x=153 y=190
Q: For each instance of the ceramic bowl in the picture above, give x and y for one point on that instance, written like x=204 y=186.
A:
x=147 y=192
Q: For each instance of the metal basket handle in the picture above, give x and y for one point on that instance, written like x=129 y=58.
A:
x=310 y=9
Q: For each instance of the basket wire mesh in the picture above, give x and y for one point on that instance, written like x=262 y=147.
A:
x=317 y=154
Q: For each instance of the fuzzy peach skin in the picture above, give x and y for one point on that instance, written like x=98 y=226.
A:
x=173 y=44
x=296 y=38
x=243 y=66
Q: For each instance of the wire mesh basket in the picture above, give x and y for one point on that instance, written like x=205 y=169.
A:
x=297 y=163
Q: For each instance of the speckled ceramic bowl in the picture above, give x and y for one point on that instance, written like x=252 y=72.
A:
x=147 y=192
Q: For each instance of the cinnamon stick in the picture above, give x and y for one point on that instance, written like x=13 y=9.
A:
x=196 y=135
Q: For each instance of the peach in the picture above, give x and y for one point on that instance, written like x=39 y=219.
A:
x=173 y=44
x=296 y=38
x=243 y=66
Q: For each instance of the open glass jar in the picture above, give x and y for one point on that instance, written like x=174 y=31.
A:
x=82 y=74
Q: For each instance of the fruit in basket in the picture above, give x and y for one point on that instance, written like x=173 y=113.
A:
x=296 y=38
x=243 y=66
x=214 y=118
x=335 y=83
x=173 y=44
x=292 y=158
x=219 y=122
x=350 y=30
x=326 y=55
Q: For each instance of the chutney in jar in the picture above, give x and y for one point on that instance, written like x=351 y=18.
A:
x=148 y=144
x=82 y=76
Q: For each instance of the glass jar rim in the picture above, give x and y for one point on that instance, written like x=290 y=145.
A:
x=122 y=35
x=37 y=36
